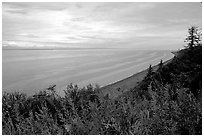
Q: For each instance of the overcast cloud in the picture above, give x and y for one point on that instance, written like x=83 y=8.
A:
x=99 y=25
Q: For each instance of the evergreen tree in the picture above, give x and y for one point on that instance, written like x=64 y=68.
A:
x=160 y=64
x=194 y=37
x=150 y=71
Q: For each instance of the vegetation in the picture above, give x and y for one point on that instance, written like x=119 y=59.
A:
x=167 y=101
x=194 y=37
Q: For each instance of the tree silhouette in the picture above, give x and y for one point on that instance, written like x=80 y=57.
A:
x=150 y=71
x=160 y=64
x=194 y=37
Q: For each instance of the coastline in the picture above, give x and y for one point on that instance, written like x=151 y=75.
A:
x=121 y=80
x=119 y=87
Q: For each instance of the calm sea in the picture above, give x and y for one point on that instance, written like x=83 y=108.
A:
x=33 y=70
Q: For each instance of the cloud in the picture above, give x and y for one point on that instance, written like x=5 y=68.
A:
x=131 y=25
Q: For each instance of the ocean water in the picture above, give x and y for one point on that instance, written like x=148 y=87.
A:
x=33 y=70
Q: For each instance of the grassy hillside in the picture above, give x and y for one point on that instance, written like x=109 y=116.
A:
x=166 y=101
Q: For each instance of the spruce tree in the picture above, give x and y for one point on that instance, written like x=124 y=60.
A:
x=150 y=71
x=194 y=37
x=160 y=64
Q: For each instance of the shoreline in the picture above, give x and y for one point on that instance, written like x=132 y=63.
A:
x=119 y=87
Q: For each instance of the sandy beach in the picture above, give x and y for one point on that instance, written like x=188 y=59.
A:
x=117 y=88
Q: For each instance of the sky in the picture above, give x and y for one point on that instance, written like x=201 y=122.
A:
x=144 y=26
